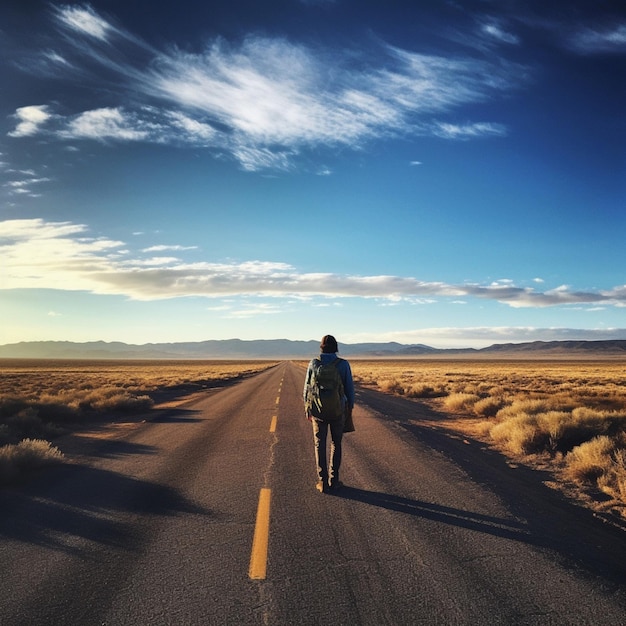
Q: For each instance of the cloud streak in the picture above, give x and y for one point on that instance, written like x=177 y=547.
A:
x=263 y=100
x=600 y=40
x=60 y=255
x=84 y=20
x=482 y=336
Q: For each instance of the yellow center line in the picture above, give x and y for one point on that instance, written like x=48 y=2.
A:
x=277 y=399
x=258 y=558
x=273 y=424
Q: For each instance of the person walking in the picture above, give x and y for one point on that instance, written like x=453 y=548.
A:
x=328 y=398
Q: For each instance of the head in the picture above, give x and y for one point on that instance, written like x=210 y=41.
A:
x=329 y=344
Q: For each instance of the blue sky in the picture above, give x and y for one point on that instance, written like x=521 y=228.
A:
x=447 y=173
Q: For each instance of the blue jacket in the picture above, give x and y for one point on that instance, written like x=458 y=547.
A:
x=344 y=371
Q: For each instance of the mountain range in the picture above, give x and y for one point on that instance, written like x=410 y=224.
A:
x=287 y=349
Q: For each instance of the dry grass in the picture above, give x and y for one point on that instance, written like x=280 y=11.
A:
x=39 y=399
x=568 y=414
x=29 y=454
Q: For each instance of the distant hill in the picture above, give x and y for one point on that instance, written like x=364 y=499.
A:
x=287 y=349
x=609 y=347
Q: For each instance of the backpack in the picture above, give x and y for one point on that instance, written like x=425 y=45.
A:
x=325 y=397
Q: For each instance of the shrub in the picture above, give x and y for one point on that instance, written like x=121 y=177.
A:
x=424 y=390
x=520 y=435
x=123 y=402
x=488 y=407
x=582 y=425
x=590 y=460
x=613 y=481
x=554 y=424
x=526 y=406
x=460 y=401
x=391 y=385
x=29 y=454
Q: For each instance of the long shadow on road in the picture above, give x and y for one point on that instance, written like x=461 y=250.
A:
x=75 y=504
x=438 y=513
x=102 y=438
x=550 y=520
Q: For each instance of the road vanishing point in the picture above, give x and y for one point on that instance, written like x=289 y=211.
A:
x=207 y=514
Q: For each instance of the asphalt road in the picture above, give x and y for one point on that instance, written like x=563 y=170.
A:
x=155 y=523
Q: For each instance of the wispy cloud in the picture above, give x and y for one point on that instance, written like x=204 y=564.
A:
x=586 y=31
x=468 y=131
x=62 y=255
x=84 y=20
x=263 y=100
x=494 y=29
x=482 y=336
x=26 y=184
x=606 y=39
x=173 y=248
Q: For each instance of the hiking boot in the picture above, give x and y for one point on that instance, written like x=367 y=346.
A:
x=321 y=486
x=336 y=484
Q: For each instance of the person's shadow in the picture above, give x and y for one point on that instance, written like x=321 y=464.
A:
x=580 y=542
x=509 y=529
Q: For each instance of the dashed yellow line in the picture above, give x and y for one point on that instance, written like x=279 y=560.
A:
x=258 y=558
x=260 y=541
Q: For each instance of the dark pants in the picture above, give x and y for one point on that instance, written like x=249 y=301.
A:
x=327 y=471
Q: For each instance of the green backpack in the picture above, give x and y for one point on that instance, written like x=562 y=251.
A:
x=325 y=394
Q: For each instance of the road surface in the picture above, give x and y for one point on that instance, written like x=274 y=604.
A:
x=208 y=514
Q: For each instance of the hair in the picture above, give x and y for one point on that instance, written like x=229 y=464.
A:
x=329 y=344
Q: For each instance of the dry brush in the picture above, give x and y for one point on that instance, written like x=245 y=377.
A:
x=568 y=414
x=40 y=399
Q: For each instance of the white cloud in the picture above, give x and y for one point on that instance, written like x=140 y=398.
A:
x=468 y=131
x=61 y=255
x=24 y=186
x=106 y=123
x=163 y=248
x=84 y=20
x=265 y=100
x=27 y=182
x=254 y=158
x=55 y=58
x=30 y=119
x=195 y=130
x=39 y=254
x=271 y=92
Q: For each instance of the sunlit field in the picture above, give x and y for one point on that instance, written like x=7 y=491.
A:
x=41 y=399
x=567 y=415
